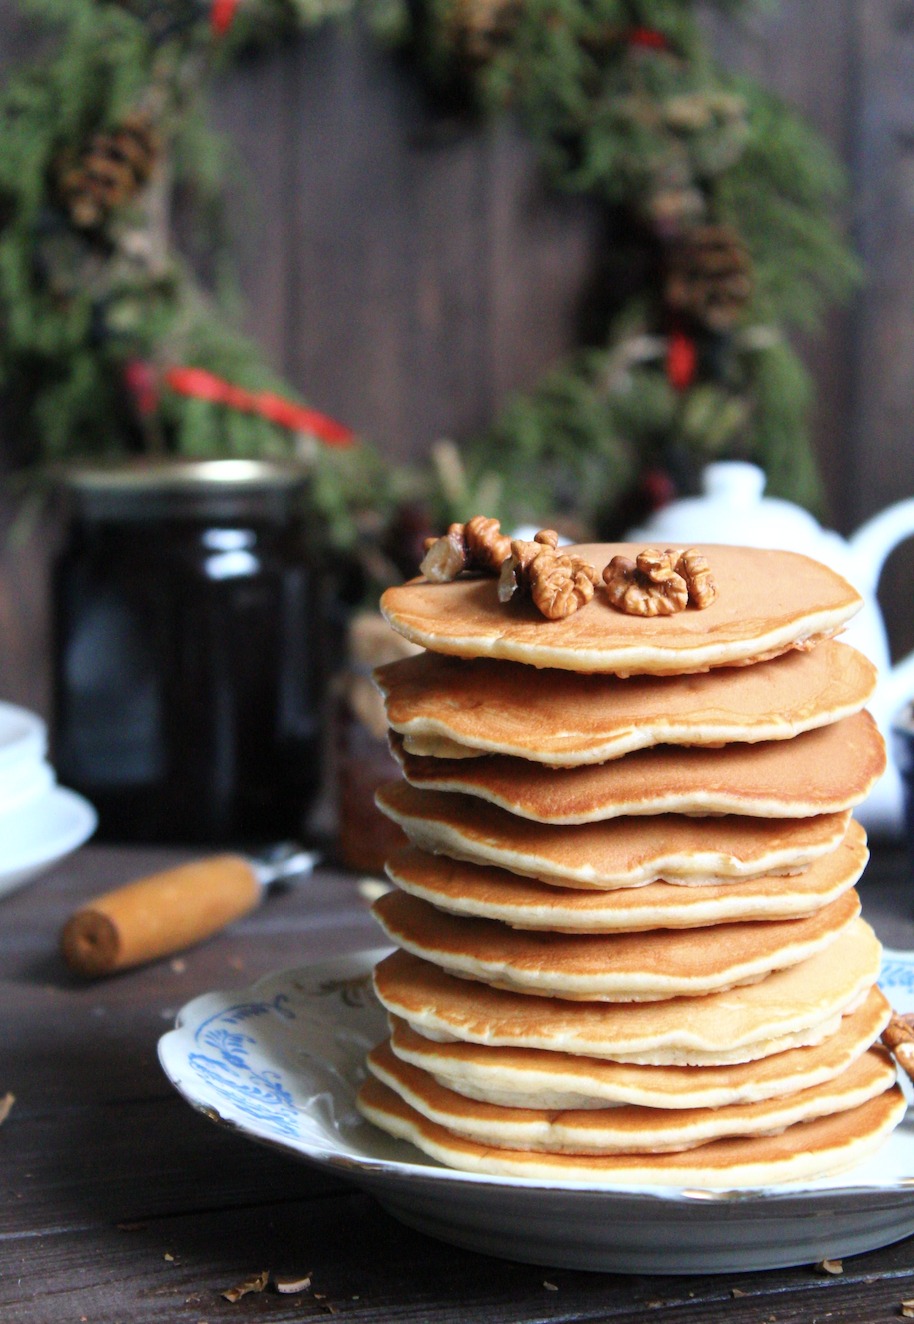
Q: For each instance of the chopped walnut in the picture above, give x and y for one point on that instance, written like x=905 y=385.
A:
x=647 y=586
x=558 y=582
x=445 y=557
x=547 y=538
x=477 y=545
x=694 y=568
x=898 y=1037
x=256 y=1283
x=659 y=583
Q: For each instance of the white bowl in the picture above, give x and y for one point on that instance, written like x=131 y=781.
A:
x=23 y=736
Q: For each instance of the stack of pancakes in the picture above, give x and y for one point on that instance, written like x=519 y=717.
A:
x=629 y=944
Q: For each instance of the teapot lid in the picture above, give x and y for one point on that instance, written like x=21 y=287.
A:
x=733 y=509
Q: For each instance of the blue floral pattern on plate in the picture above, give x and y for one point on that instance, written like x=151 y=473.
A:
x=897 y=979
x=282 y=1060
x=226 y=1065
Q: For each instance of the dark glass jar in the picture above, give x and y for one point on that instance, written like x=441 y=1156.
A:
x=187 y=686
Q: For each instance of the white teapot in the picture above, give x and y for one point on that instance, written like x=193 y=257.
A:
x=733 y=509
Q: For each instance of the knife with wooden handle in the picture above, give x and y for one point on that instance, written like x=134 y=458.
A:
x=169 y=911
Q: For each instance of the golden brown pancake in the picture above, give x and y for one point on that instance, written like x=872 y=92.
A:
x=805 y=1150
x=535 y=1077
x=789 y=1008
x=626 y=1128
x=617 y=852
x=610 y=967
x=453 y=707
x=820 y=772
x=768 y=602
x=489 y=893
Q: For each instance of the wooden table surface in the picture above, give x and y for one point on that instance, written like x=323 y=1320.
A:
x=119 y=1203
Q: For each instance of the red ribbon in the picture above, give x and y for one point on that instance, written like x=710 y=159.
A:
x=648 y=39
x=203 y=385
x=222 y=15
x=681 y=360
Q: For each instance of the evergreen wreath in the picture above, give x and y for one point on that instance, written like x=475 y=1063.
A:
x=726 y=201
x=112 y=346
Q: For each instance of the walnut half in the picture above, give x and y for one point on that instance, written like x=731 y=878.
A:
x=898 y=1037
x=477 y=545
x=558 y=583
x=693 y=566
x=659 y=583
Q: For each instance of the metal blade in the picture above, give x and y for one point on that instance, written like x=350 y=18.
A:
x=285 y=860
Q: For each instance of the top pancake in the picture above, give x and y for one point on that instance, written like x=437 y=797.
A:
x=565 y=719
x=768 y=602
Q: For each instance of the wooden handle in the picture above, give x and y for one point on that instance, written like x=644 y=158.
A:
x=157 y=915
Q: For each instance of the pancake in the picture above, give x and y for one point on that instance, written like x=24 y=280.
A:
x=619 y=852
x=627 y=1128
x=534 y=1077
x=476 y=890
x=448 y=707
x=820 y=772
x=792 y=1007
x=610 y=967
x=768 y=602
x=803 y=1151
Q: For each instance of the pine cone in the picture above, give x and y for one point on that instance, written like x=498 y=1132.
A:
x=108 y=172
x=478 y=28
x=709 y=277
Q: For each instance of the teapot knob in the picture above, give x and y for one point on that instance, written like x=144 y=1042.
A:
x=734 y=480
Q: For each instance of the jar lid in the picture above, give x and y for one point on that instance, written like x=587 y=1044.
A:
x=147 y=489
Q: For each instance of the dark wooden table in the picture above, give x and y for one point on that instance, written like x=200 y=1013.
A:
x=119 y=1203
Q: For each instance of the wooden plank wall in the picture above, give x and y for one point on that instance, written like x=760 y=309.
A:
x=407 y=271
x=408 y=274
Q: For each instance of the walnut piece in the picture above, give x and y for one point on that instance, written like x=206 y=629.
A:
x=647 y=586
x=898 y=1037
x=477 y=545
x=559 y=583
x=659 y=583
x=694 y=568
x=256 y=1283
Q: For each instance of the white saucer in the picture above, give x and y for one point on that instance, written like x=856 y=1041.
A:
x=280 y=1062
x=41 y=833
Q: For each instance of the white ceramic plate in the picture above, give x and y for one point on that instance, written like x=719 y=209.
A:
x=41 y=833
x=23 y=735
x=281 y=1062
